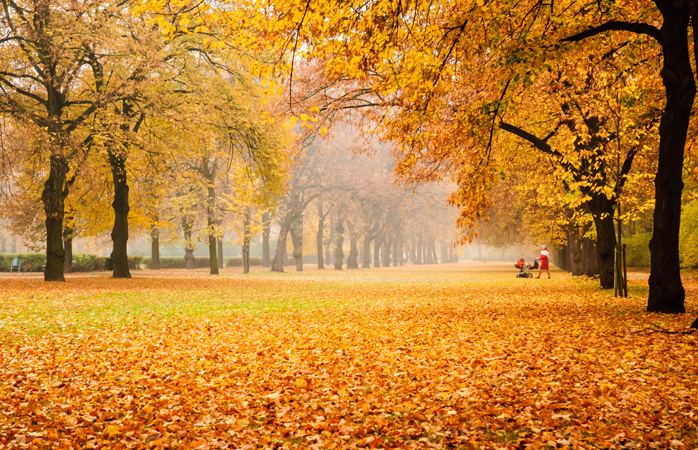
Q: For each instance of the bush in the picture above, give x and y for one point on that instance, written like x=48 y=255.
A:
x=134 y=262
x=88 y=263
x=176 y=263
x=31 y=262
x=637 y=250
x=237 y=262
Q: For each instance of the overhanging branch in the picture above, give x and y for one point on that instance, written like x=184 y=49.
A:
x=617 y=25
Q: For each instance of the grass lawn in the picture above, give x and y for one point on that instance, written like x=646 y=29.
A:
x=443 y=356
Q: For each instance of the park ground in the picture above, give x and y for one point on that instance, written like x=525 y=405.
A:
x=449 y=356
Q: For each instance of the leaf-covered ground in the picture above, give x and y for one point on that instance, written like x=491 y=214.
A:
x=450 y=356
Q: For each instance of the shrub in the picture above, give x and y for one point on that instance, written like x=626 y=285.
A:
x=88 y=263
x=31 y=262
x=237 y=262
x=637 y=250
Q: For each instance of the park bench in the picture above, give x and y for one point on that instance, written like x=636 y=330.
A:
x=16 y=263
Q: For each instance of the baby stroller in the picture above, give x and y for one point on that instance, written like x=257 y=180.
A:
x=524 y=268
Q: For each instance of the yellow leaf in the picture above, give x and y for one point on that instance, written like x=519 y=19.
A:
x=301 y=383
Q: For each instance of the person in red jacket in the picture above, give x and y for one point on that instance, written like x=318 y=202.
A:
x=544 y=261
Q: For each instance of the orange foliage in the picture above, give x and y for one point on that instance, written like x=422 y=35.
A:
x=449 y=356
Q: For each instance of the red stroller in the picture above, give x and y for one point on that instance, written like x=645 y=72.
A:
x=524 y=268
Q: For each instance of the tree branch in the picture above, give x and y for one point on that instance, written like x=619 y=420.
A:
x=617 y=25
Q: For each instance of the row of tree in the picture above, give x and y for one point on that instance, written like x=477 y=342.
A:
x=97 y=107
x=594 y=87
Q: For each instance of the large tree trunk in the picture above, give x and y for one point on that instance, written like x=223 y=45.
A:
x=666 y=293
x=119 y=234
x=53 y=198
x=68 y=248
x=602 y=211
x=212 y=238
x=155 y=247
x=266 y=233
x=339 y=251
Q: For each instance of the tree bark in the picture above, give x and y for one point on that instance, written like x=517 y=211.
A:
x=279 y=261
x=385 y=251
x=211 y=222
x=219 y=242
x=155 y=263
x=419 y=247
x=353 y=259
x=329 y=242
x=53 y=197
x=266 y=233
x=339 y=251
x=601 y=209
x=320 y=236
x=366 y=260
x=68 y=248
x=187 y=225
x=297 y=238
x=377 y=244
x=246 y=242
x=666 y=292
x=119 y=234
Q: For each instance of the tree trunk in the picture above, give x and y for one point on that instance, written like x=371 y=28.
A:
x=297 y=238
x=187 y=225
x=155 y=247
x=429 y=255
x=119 y=234
x=219 y=242
x=320 y=236
x=211 y=226
x=353 y=259
x=419 y=253
x=246 y=242
x=385 y=251
x=602 y=211
x=279 y=261
x=666 y=293
x=377 y=244
x=394 y=251
x=413 y=249
x=589 y=258
x=266 y=233
x=330 y=241
x=53 y=198
x=339 y=251
x=68 y=248
x=366 y=260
